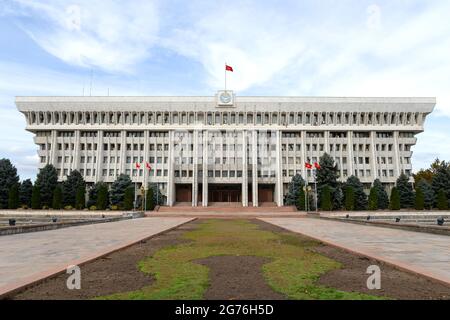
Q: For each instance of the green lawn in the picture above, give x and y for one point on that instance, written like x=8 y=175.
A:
x=292 y=270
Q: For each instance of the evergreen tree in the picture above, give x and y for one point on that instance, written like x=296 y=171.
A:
x=128 y=198
x=57 y=197
x=349 y=198
x=8 y=178
x=13 y=197
x=325 y=199
x=428 y=193
x=301 y=204
x=328 y=175
x=295 y=186
x=360 y=195
x=419 y=203
x=36 y=198
x=441 y=181
x=405 y=191
x=338 y=198
x=158 y=198
x=395 y=199
x=150 y=204
x=383 y=198
x=80 y=197
x=46 y=180
x=102 y=196
x=70 y=187
x=25 y=192
x=442 y=201
x=373 y=199
x=117 y=191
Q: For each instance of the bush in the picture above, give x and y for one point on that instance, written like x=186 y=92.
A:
x=68 y=208
x=442 y=201
x=45 y=207
x=13 y=197
x=395 y=199
x=36 y=198
x=114 y=207
x=57 y=198
x=349 y=198
x=325 y=199
x=93 y=208
x=373 y=199
x=419 y=201
x=150 y=203
x=128 y=198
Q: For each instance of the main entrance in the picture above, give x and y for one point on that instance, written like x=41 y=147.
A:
x=183 y=193
x=224 y=193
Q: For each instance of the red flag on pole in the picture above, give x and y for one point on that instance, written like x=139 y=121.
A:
x=138 y=165
x=308 y=165
x=147 y=165
x=228 y=68
x=317 y=165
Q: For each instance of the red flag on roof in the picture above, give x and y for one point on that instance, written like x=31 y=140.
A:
x=308 y=165
x=317 y=165
x=147 y=165
x=228 y=68
x=138 y=165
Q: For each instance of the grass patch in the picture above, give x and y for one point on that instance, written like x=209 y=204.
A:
x=292 y=271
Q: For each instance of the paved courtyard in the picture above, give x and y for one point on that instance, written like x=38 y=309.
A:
x=30 y=256
x=428 y=254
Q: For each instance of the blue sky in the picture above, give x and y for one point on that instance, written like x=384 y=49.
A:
x=301 y=48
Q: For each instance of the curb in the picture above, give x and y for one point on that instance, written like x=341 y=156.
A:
x=14 y=288
x=395 y=264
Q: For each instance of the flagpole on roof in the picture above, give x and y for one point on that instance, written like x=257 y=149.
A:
x=225 y=76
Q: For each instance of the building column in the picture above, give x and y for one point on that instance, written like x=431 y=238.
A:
x=195 y=169
x=255 y=167
x=396 y=155
x=54 y=148
x=374 y=157
x=244 y=170
x=99 y=156
x=76 y=154
x=123 y=150
x=205 y=169
x=170 y=181
x=350 y=154
x=303 y=139
x=278 y=173
x=146 y=175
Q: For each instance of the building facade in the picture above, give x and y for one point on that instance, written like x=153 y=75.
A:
x=224 y=148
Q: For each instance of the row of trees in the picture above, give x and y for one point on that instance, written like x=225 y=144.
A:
x=429 y=193
x=47 y=192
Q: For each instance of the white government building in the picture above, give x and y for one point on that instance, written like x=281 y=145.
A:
x=224 y=148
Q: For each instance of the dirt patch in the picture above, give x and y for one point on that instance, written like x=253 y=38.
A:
x=394 y=283
x=238 y=278
x=117 y=272
x=352 y=276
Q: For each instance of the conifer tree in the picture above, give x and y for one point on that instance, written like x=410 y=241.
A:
x=373 y=199
x=395 y=200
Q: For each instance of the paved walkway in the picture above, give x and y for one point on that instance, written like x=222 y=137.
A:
x=427 y=254
x=25 y=258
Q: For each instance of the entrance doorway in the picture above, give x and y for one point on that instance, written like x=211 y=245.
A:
x=183 y=193
x=265 y=192
x=225 y=193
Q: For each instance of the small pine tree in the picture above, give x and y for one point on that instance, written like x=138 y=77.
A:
x=150 y=204
x=13 y=197
x=405 y=191
x=325 y=199
x=301 y=204
x=419 y=201
x=428 y=193
x=80 y=197
x=395 y=199
x=349 y=198
x=128 y=198
x=25 y=192
x=57 y=198
x=293 y=192
x=373 y=199
x=36 y=198
x=442 y=201
x=359 y=195
x=102 y=197
x=383 y=198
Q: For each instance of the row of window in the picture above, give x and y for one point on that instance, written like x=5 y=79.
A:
x=214 y=118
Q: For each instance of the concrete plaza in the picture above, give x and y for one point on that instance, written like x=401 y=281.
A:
x=28 y=257
x=423 y=253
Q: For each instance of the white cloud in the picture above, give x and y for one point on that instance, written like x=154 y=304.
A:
x=104 y=34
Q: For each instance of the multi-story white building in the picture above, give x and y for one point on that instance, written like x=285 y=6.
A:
x=224 y=148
